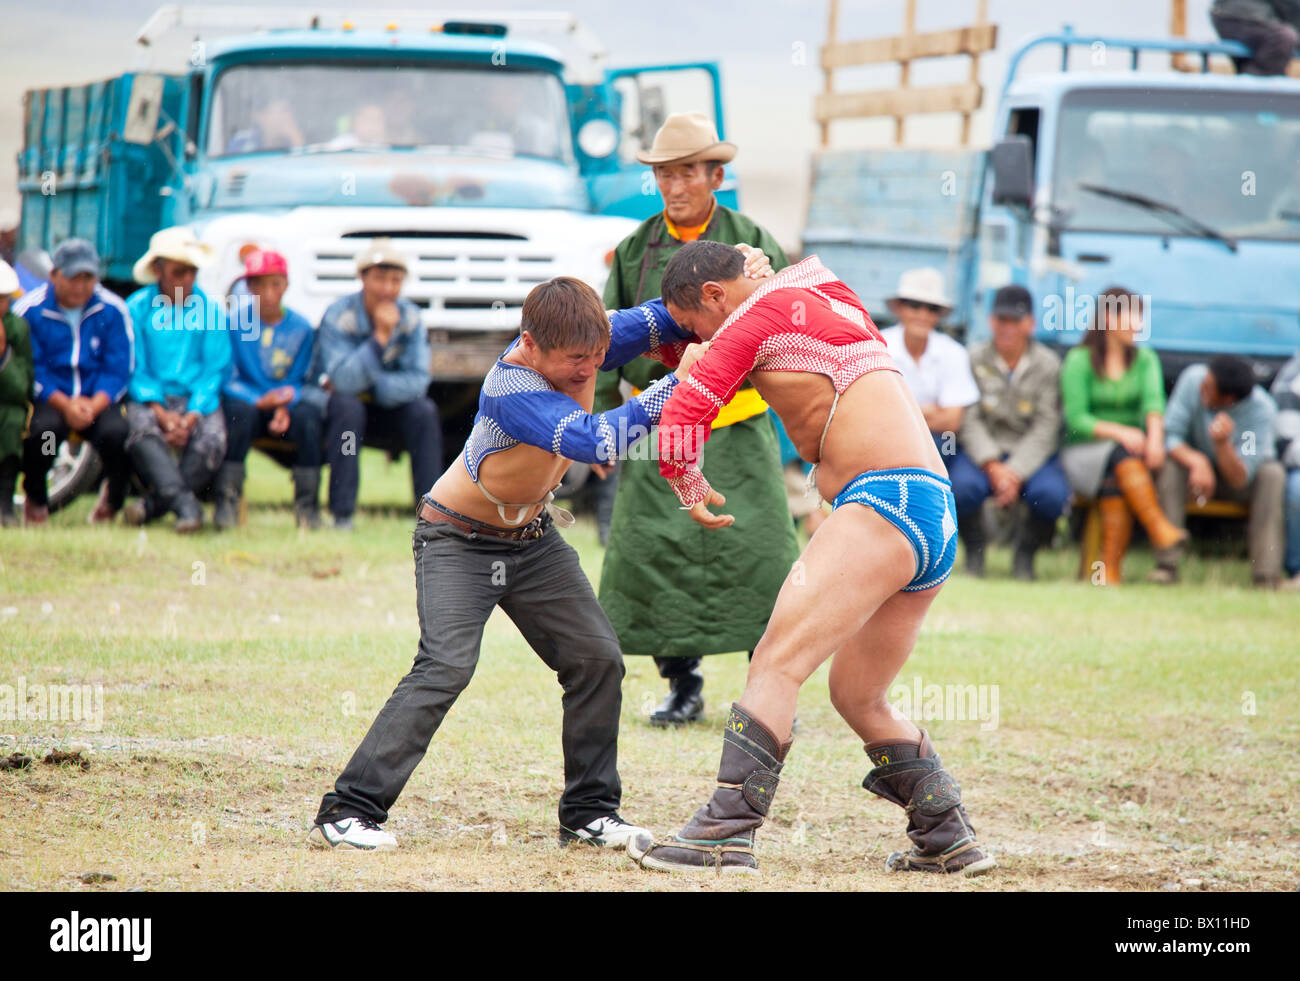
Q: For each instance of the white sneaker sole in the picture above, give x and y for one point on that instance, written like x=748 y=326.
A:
x=317 y=839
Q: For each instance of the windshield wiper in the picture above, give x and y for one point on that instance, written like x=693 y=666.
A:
x=1164 y=210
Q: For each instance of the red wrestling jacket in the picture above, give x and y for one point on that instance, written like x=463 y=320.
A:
x=802 y=319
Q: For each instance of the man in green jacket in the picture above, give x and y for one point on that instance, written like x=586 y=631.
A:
x=16 y=371
x=670 y=587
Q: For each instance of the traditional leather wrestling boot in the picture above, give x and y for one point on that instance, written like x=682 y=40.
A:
x=306 y=496
x=1139 y=490
x=913 y=777
x=1116 y=530
x=720 y=837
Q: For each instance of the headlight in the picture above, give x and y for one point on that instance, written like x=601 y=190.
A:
x=598 y=138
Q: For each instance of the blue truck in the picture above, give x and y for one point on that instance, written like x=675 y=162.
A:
x=493 y=159
x=1183 y=186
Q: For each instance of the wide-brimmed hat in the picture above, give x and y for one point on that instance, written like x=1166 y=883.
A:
x=9 y=285
x=685 y=138
x=922 y=286
x=178 y=244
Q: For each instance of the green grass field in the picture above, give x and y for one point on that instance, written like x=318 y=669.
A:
x=1146 y=738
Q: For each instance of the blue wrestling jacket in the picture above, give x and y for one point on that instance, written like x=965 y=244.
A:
x=518 y=405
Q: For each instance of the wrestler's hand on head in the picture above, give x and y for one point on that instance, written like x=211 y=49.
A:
x=701 y=514
x=692 y=354
x=757 y=263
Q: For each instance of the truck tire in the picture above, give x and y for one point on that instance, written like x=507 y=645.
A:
x=76 y=471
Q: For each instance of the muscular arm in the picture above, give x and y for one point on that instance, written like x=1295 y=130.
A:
x=556 y=423
x=645 y=329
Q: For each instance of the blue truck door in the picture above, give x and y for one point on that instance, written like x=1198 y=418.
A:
x=638 y=100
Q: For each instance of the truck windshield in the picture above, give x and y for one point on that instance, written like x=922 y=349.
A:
x=324 y=108
x=1230 y=161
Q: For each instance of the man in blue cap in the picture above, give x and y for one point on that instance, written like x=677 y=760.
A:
x=83 y=354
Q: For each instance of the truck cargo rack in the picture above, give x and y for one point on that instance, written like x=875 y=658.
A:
x=1067 y=39
x=175 y=16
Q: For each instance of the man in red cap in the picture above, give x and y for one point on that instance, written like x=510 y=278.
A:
x=271 y=352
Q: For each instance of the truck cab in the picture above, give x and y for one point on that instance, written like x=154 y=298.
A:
x=1183 y=187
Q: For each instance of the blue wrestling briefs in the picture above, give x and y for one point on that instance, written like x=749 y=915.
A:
x=920 y=505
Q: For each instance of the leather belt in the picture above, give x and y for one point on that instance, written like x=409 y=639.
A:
x=436 y=513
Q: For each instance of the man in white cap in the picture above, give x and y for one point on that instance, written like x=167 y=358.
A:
x=15 y=390
x=83 y=350
x=182 y=356
x=936 y=368
x=370 y=370
x=721 y=587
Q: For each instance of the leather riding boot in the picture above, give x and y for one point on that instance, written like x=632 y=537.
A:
x=8 y=483
x=1116 y=530
x=720 y=837
x=1139 y=490
x=162 y=480
x=306 y=497
x=913 y=777
x=1034 y=533
x=227 y=489
x=684 y=701
x=975 y=537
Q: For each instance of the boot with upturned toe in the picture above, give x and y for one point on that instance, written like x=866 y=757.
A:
x=943 y=840
x=719 y=839
x=684 y=702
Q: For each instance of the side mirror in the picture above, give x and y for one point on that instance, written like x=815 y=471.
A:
x=142 y=109
x=1013 y=171
x=654 y=112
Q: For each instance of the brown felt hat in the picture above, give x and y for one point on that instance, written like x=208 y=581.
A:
x=685 y=138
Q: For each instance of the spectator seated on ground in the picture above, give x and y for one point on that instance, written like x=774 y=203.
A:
x=15 y=391
x=935 y=367
x=1009 y=439
x=1286 y=394
x=1113 y=398
x=370 y=373
x=1219 y=431
x=83 y=353
x=271 y=352
x=182 y=356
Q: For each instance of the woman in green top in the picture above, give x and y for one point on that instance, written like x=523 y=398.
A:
x=1113 y=398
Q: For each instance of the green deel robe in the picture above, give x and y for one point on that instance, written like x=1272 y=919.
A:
x=671 y=587
x=16 y=373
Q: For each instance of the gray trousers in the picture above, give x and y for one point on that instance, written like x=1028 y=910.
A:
x=201 y=456
x=459 y=578
x=1264 y=532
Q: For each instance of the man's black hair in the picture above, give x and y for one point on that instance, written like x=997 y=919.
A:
x=1233 y=376
x=695 y=264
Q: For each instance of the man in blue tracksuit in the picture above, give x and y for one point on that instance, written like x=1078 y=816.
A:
x=271 y=350
x=82 y=350
x=370 y=373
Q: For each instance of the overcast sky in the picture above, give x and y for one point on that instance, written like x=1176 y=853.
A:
x=768 y=53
